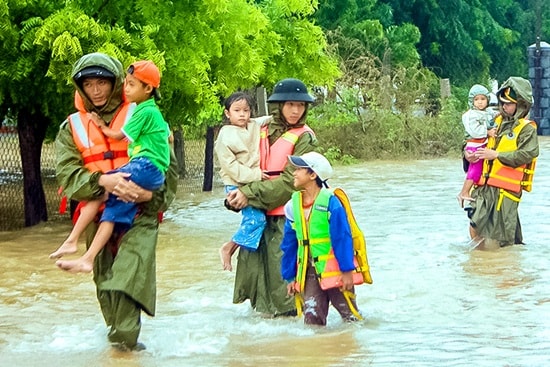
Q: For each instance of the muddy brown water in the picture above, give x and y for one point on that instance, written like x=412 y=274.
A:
x=434 y=301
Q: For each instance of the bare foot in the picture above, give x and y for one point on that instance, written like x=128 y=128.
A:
x=225 y=255
x=66 y=248
x=75 y=266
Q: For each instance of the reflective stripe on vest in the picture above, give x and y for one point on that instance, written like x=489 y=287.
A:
x=302 y=235
x=99 y=152
x=505 y=177
x=274 y=158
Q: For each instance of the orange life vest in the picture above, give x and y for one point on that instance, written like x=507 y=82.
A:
x=274 y=158
x=101 y=153
x=505 y=177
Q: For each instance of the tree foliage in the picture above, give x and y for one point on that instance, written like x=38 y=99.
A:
x=206 y=49
x=471 y=41
x=372 y=26
x=468 y=41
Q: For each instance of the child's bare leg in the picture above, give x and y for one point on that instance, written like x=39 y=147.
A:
x=87 y=214
x=226 y=251
x=85 y=263
x=465 y=192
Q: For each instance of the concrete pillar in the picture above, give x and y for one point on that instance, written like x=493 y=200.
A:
x=539 y=76
x=261 y=100
x=445 y=88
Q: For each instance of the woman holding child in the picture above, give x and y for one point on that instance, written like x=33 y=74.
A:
x=258 y=275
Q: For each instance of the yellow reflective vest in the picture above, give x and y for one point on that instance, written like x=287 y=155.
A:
x=314 y=244
x=497 y=174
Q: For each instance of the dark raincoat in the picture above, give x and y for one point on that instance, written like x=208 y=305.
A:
x=258 y=274
x=126 y=283
x=503 y=225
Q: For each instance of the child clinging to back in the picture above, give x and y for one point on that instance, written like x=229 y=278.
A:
x=318 y=253
x=478 y=123
x=149 y=152
x=237 y=149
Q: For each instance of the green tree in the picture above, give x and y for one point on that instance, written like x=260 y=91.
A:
x=32 y=97
x=470 y=41
x=205 y=48
x=371 y=25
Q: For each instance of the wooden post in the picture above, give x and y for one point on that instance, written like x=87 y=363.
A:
x=179 y=151
x=208 y=160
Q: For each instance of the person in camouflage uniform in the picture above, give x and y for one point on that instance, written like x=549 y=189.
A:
x=494 y=212
x=258 y=275
x=124 y=271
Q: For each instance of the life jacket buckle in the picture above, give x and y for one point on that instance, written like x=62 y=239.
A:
x=109 y=155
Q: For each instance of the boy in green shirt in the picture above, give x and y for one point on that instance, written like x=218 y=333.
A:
x=149 y=151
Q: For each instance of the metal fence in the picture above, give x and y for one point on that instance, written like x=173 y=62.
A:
x=12 y=215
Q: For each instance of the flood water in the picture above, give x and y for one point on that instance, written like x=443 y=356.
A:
x=434 y=301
